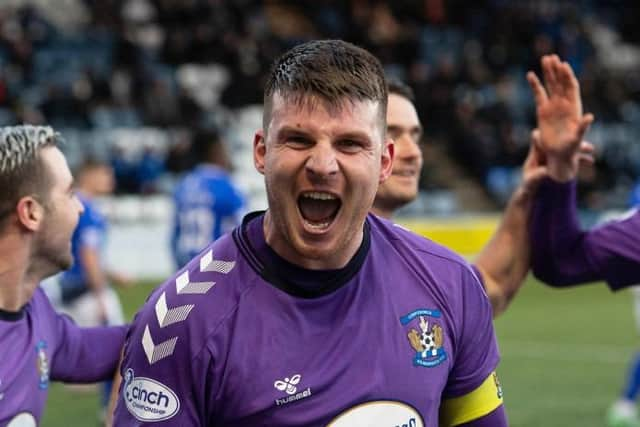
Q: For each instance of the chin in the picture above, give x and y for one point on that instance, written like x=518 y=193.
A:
x=63 y=263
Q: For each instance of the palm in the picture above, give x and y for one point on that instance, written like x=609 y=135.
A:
x=559 y=121
x=559 y=110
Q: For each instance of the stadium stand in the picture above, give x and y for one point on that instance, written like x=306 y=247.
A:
x=166 y=66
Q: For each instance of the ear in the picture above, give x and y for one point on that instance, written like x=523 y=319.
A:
x=387 y=155
x=259 y=151
x=30 y=213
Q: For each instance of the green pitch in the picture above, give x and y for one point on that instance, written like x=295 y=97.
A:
x=564 y=353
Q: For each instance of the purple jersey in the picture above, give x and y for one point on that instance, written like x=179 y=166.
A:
x=563 y=254
x=36 y=345
x=241 y=337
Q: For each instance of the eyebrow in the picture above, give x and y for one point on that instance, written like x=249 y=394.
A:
x=419 y=128
x=288 y=131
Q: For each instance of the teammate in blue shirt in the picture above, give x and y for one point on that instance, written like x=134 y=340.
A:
x=207 y=202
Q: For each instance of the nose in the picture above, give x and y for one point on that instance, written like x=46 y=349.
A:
x=79 y=204
x=322 y=162
x=407 y=148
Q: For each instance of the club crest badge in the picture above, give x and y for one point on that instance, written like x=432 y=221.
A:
x=42 y=364
x=426 y=337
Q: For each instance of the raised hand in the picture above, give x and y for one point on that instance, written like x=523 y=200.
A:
x=561 y=122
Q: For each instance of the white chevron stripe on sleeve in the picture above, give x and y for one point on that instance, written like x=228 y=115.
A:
x=207 y=263
x=167 y=317
x=157 y=352
x=184 y=286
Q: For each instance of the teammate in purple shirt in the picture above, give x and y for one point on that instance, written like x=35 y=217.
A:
x=316 y=313
x=38 y=213
x=503 y=263
x=563 y=254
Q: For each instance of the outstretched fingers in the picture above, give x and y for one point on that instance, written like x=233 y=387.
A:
x=539 y=92
x=586 y=153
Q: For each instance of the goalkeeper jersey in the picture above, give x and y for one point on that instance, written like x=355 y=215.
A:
x=241 y=337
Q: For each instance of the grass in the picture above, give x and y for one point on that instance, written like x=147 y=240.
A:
x=564 y=354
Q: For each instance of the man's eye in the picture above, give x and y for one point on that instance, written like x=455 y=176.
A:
x=349 y=145
x=297 y=140
x=393 y=134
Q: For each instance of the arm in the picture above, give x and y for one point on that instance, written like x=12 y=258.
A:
x=497 y=418
x=481 y=408
x=473 y=395
x=504 y=261
x=161 y=360
x=96 y=278
x=82 y=354
x=565 y=255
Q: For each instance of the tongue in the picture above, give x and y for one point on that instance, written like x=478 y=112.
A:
x=318 y=210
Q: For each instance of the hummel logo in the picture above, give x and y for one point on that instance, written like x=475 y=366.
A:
x=289 y=384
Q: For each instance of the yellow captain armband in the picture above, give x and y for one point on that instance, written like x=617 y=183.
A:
x=480 y=402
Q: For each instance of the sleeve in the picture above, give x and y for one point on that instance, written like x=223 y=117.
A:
x=83 y=354
x=564 y=255
x=90 y=236
x=475 y=357
x=164 y=383
x=482 y=407
x=497 y=418
x=89 y=231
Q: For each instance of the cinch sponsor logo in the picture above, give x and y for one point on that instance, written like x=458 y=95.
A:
x=149 y=400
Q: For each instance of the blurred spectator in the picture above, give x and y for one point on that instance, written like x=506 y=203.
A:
x=207 y=202
x=175 y=64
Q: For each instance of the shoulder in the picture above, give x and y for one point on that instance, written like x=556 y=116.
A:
x=195 y=302
x=437 y=270
x=91 y=215
x=416 y=248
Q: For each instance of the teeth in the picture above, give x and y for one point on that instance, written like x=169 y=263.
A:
x=317 y=226
x=319 y=196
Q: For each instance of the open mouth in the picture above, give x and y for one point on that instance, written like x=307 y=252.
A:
x=318 y=209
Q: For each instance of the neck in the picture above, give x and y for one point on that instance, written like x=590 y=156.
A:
x=17 y=284
x=310 y=260
x=386 y=213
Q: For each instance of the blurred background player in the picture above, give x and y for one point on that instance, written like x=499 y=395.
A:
x=83 y=292
x=564 y=254
x=504 y=262
x=38 y=213
x=207 y=202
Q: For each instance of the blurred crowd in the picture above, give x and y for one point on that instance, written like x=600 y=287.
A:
x=104 y=64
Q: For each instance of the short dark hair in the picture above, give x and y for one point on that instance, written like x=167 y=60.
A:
x=398 y=87
x=333 y=70
x=89 y=164
x=22 y=171
x=208 y=146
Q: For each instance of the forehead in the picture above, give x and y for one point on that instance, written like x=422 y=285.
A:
x=401 y=111
x=57 y=168
x=313 y=114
